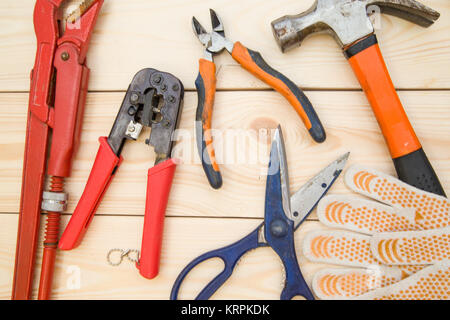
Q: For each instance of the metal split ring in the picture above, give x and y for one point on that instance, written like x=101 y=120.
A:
x=131 y=254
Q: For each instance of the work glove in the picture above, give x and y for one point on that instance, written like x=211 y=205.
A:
x=396 y=247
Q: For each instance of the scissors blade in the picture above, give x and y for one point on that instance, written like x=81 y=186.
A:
x=278 y=164
x=307 y=197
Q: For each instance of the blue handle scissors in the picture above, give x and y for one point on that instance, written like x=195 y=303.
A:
x=283 y=215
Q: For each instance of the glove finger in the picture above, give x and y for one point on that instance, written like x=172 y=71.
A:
x=432 y=211
x=365 y=216
x=413 y=248
x=339 y=284
x=339 y=247
x=431 y=283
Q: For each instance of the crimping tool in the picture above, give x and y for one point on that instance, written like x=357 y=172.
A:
x=154 y=99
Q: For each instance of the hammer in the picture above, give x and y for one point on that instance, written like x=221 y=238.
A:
x=349 y=23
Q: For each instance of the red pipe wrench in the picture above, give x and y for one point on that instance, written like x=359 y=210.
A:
x=154 y=99
x=57 y=97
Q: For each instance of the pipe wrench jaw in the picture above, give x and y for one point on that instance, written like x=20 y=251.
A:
x=79 y=26
x=46 y=28
x=48 y=36
x=71 y=83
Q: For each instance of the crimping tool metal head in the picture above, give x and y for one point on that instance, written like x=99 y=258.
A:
x=154 y=100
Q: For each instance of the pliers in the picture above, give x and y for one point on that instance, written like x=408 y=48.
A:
x=154 y=99
x=283 y=215
x=214 y=43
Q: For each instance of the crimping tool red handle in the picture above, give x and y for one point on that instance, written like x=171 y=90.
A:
x=105 y=166
x=159 y=183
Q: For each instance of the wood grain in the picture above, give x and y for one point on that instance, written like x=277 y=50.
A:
x=346 y=116
x=259 y=275
x=134 y=34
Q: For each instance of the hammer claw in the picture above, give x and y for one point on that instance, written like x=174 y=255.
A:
x=409 y=10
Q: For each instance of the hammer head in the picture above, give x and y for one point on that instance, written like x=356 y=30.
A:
x=347 y=20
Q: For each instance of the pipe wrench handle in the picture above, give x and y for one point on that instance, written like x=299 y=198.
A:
x=159 y=184
x=412 y=164
x=103 y=170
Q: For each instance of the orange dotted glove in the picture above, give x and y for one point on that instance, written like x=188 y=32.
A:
x=397 y=247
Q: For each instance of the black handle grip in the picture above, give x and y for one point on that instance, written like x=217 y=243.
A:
x=415 y=169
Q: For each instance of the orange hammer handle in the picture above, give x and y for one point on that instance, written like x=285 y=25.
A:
x=372 y=73
x=411 y=163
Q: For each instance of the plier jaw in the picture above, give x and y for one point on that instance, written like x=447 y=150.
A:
x=215 y=41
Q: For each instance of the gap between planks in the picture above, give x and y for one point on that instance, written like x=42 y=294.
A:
x=263 y=90
x=169 y=216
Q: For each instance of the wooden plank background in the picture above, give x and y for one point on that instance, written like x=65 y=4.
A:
x=134 y=34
